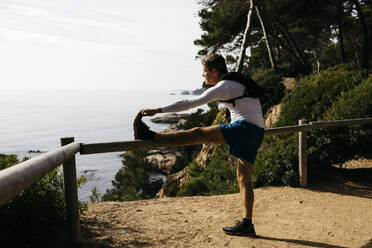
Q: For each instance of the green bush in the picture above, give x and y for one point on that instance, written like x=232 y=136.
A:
x=132 y=181
x=337 y=145
x=202 y=118
x=315 y=94
x=38 y=211
x=336 y=93
x=277 y=164
x=274 y=90
x=218 y=177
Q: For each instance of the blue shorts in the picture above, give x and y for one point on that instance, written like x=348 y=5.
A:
x=243 y=139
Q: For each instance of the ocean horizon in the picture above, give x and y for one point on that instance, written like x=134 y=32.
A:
x=35 y=120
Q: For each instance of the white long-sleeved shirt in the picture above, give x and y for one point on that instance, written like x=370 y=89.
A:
x=246 y=108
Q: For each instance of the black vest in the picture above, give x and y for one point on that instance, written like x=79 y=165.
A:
x=252 y=89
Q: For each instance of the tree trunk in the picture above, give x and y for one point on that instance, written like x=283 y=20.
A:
x=356 y=52
x=316 y=60
x=341 y=30
x=367 y=38
x=244 y=45
x=341 y=40
x=287 y=36
x=267 y=41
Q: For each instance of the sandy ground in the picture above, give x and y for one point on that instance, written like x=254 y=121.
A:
x=337 y=213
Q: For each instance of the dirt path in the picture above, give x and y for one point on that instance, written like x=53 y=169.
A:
x=333 y=214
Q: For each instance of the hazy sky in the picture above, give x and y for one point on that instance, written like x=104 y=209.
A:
x=99 y=44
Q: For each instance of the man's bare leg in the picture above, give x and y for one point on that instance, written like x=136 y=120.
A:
x=197 y=135
x=244 y=175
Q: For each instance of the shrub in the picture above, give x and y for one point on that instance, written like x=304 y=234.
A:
x=277 y=164
x=314 y=94
x=38 y=211
x=200 y=118
x=132 y=181
x=218 y=177
x=337 y=145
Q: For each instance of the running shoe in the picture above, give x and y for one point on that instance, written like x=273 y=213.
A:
x=141 y=130
x=240 y=229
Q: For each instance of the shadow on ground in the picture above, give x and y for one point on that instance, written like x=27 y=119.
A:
x=299 y=242
x=353 y=182
x=368 y=245
x=95 y=235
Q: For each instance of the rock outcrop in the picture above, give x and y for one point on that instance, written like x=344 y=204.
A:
x=272 y=115
x=172 y=161
x=289 y=83
x=164 y=159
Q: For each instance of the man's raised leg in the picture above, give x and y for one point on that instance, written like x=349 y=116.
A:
x=197 y=135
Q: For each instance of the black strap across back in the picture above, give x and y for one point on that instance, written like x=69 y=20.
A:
x=252 y=89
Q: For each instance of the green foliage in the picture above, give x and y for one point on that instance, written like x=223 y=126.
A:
x=337 y=145
x=334 y=94
x=221 y=23
x=304 y=35
x=96 y=196
x=202 y=118
x=132 y=181
x=277 y=164
x=40 y=207
x=270 y=81
x=218 y=177
x=356 y=103
x=316 y=93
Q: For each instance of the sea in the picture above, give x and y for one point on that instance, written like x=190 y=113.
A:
x=32 y=122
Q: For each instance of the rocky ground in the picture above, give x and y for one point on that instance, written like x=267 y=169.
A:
x=336 y=212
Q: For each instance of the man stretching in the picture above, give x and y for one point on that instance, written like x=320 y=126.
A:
x=243 y=135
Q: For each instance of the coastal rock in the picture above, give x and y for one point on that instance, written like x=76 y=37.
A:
x=34 y=151
x=193 y=92
x=163 y=159
x=205 y=154
x=171 y=160
x=169 y=118
x=180 y=125
x=173 y=183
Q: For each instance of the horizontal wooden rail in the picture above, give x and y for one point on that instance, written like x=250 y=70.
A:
x=121 y=146
x=350 y=122
x=287 y=129
x=149 y=144
x=19 y=177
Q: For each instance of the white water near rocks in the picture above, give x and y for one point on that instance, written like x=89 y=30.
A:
x=36 y=120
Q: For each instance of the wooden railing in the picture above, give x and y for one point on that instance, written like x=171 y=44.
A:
x=19 y=177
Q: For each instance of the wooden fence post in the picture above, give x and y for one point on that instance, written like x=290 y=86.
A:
x=302 y=156
x=71 y=197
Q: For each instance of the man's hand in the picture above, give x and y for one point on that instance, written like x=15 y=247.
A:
x=150 y=112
